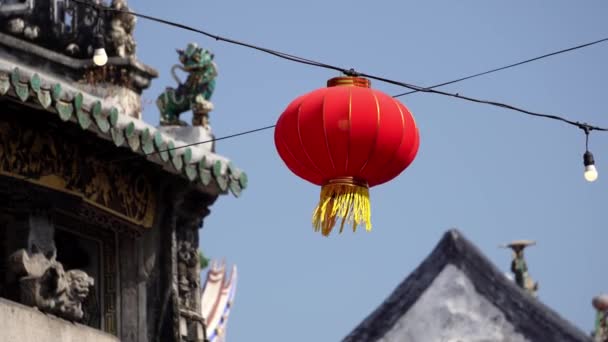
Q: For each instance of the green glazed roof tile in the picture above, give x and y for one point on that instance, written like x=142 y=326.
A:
x=202 y=164
x=222 y=182
x=84 y=120
x=113 y=116
x=23 y=91
x=56 y=91
x=5 y=83
x=147 y=142
x=171 y=149
x=187 y=155
x=235 y=188
x=243 y=180
x=64 y=109
x=134 y=142
x=205 y=176
x=177 y=162
x=101 y=119
x=129 y=129
x=15 y=77
x=44 y=98
x=35 y=83
x=162 y=151
x=117 y=136
x=190 y=172
x=77 y=101
x=217 y=168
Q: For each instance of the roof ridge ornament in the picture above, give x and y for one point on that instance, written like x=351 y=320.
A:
x=600 y=303
x=192 y=94
x=519 y=266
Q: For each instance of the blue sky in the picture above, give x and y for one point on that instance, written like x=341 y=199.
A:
x=494 y=174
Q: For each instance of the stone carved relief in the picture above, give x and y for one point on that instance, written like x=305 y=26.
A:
x=52 y=161
x=121 y=29
x=191 y=211
x=46 y=285
x=188 y=273
x=18 y=27
x=69 y=27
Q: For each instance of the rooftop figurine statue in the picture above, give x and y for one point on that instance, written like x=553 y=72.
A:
x=519 y=266
x=193 y=94
x=121 y=28
x=600 y=303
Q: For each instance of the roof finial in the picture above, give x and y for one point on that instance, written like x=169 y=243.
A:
x=600 y=303
x=519 y=266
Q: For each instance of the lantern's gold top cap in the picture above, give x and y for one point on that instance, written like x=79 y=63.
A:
x=349 y=81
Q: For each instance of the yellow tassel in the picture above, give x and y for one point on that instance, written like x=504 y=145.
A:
x=345 y=199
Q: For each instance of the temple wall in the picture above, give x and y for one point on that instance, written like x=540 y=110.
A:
x=42 y=327
x=147 y=285
x=141 y=249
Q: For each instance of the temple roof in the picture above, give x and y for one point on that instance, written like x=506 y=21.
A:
x=457 y=294
x=48 y=81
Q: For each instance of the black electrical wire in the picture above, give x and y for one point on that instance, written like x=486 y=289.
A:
x=213 y=36
x=493 y=103
x=198 y=143
x=508 y=66
x=352 y=72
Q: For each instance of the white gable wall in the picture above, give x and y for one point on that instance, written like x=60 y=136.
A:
x=451 y=310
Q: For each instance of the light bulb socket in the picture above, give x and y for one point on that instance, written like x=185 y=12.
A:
x=98 y=42
x=588 y=159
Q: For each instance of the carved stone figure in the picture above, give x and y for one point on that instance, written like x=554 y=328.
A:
x=121 y=29
x=46 y=285
x=188 y=274
x=520 y=268
x=195 y=93
x=15 y=25
x=18 y=26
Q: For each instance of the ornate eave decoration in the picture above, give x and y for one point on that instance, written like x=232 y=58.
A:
x=50 y=160
x=51 y=69
x=211 y=172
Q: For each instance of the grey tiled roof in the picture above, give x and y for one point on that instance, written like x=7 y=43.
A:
x=529 y=316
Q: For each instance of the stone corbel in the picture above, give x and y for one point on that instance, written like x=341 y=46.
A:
x=43 y=282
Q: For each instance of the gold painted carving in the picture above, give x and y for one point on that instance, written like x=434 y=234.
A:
x=52 y=161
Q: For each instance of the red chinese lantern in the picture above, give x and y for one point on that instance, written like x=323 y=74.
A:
x=346 y=138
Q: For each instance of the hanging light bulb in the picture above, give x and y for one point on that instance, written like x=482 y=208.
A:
x=590 y=170
x=100 y=57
